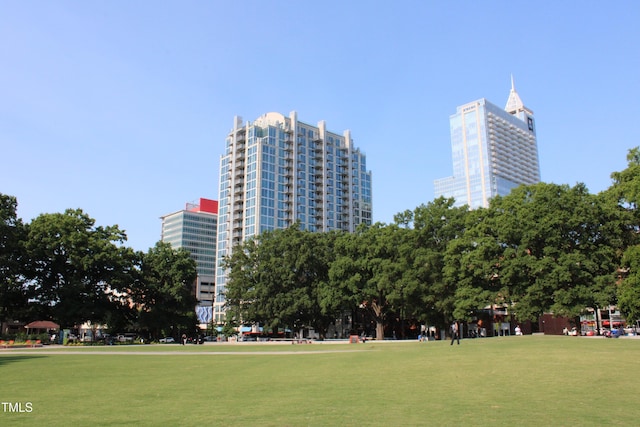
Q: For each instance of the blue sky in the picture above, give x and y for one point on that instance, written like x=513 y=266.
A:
x=122 y=108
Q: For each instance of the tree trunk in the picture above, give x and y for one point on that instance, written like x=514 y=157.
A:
x=379 y=329
x=378 y=316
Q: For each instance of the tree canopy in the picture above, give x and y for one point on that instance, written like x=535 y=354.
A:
x=164 y=292
x=624 y=194
x=65 y=268
x=279 y=279
x=75 y=266
x=543 y=248
x=13 y=296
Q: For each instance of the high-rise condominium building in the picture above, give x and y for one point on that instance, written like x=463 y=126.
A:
x=195 y=229
x=278 y=170
x=493 y=150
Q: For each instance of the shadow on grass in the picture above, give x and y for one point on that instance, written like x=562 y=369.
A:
x=7 y=360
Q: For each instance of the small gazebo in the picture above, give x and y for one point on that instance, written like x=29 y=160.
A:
x=41 y=326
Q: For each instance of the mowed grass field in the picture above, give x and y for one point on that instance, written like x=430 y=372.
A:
x=507 y=381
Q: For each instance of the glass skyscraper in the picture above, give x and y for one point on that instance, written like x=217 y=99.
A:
x=195 y=229
x=494 y=150
x=278 y=170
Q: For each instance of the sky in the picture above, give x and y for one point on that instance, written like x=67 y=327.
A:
x=121 y=108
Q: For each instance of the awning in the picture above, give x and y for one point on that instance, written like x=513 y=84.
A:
x=608 y=323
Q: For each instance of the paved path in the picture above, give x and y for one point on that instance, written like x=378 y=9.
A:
x=181 y=353
x=153 y=352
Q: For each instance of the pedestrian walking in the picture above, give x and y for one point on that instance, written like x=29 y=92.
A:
x=455 y=332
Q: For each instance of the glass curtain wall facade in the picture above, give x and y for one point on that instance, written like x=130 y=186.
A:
x=195 y=229
x=278 y=170
x=493 y=150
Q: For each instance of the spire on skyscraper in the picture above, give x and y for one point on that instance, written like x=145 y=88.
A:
x=514 y=103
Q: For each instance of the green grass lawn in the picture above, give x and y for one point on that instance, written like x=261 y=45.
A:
x=530 y=380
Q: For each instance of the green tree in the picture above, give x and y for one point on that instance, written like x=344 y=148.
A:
x=76 y=268
x=276 y=280
x=13 y=296
x=623 y=196
x=625 y=190
x=240 y=289
x=435 y=226
x=629 y=288
x=164 y=291
x=576 y=247
x=230 y=327
x=542 y=248
x=369 y=272
x=470 y=267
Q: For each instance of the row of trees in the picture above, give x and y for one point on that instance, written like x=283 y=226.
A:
x=64 y=268
x=543 y=248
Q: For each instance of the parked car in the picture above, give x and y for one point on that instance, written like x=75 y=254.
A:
x=614 y=333
x=167 y=340
x=126 y=337
x=210 y=338
x=573 y=332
